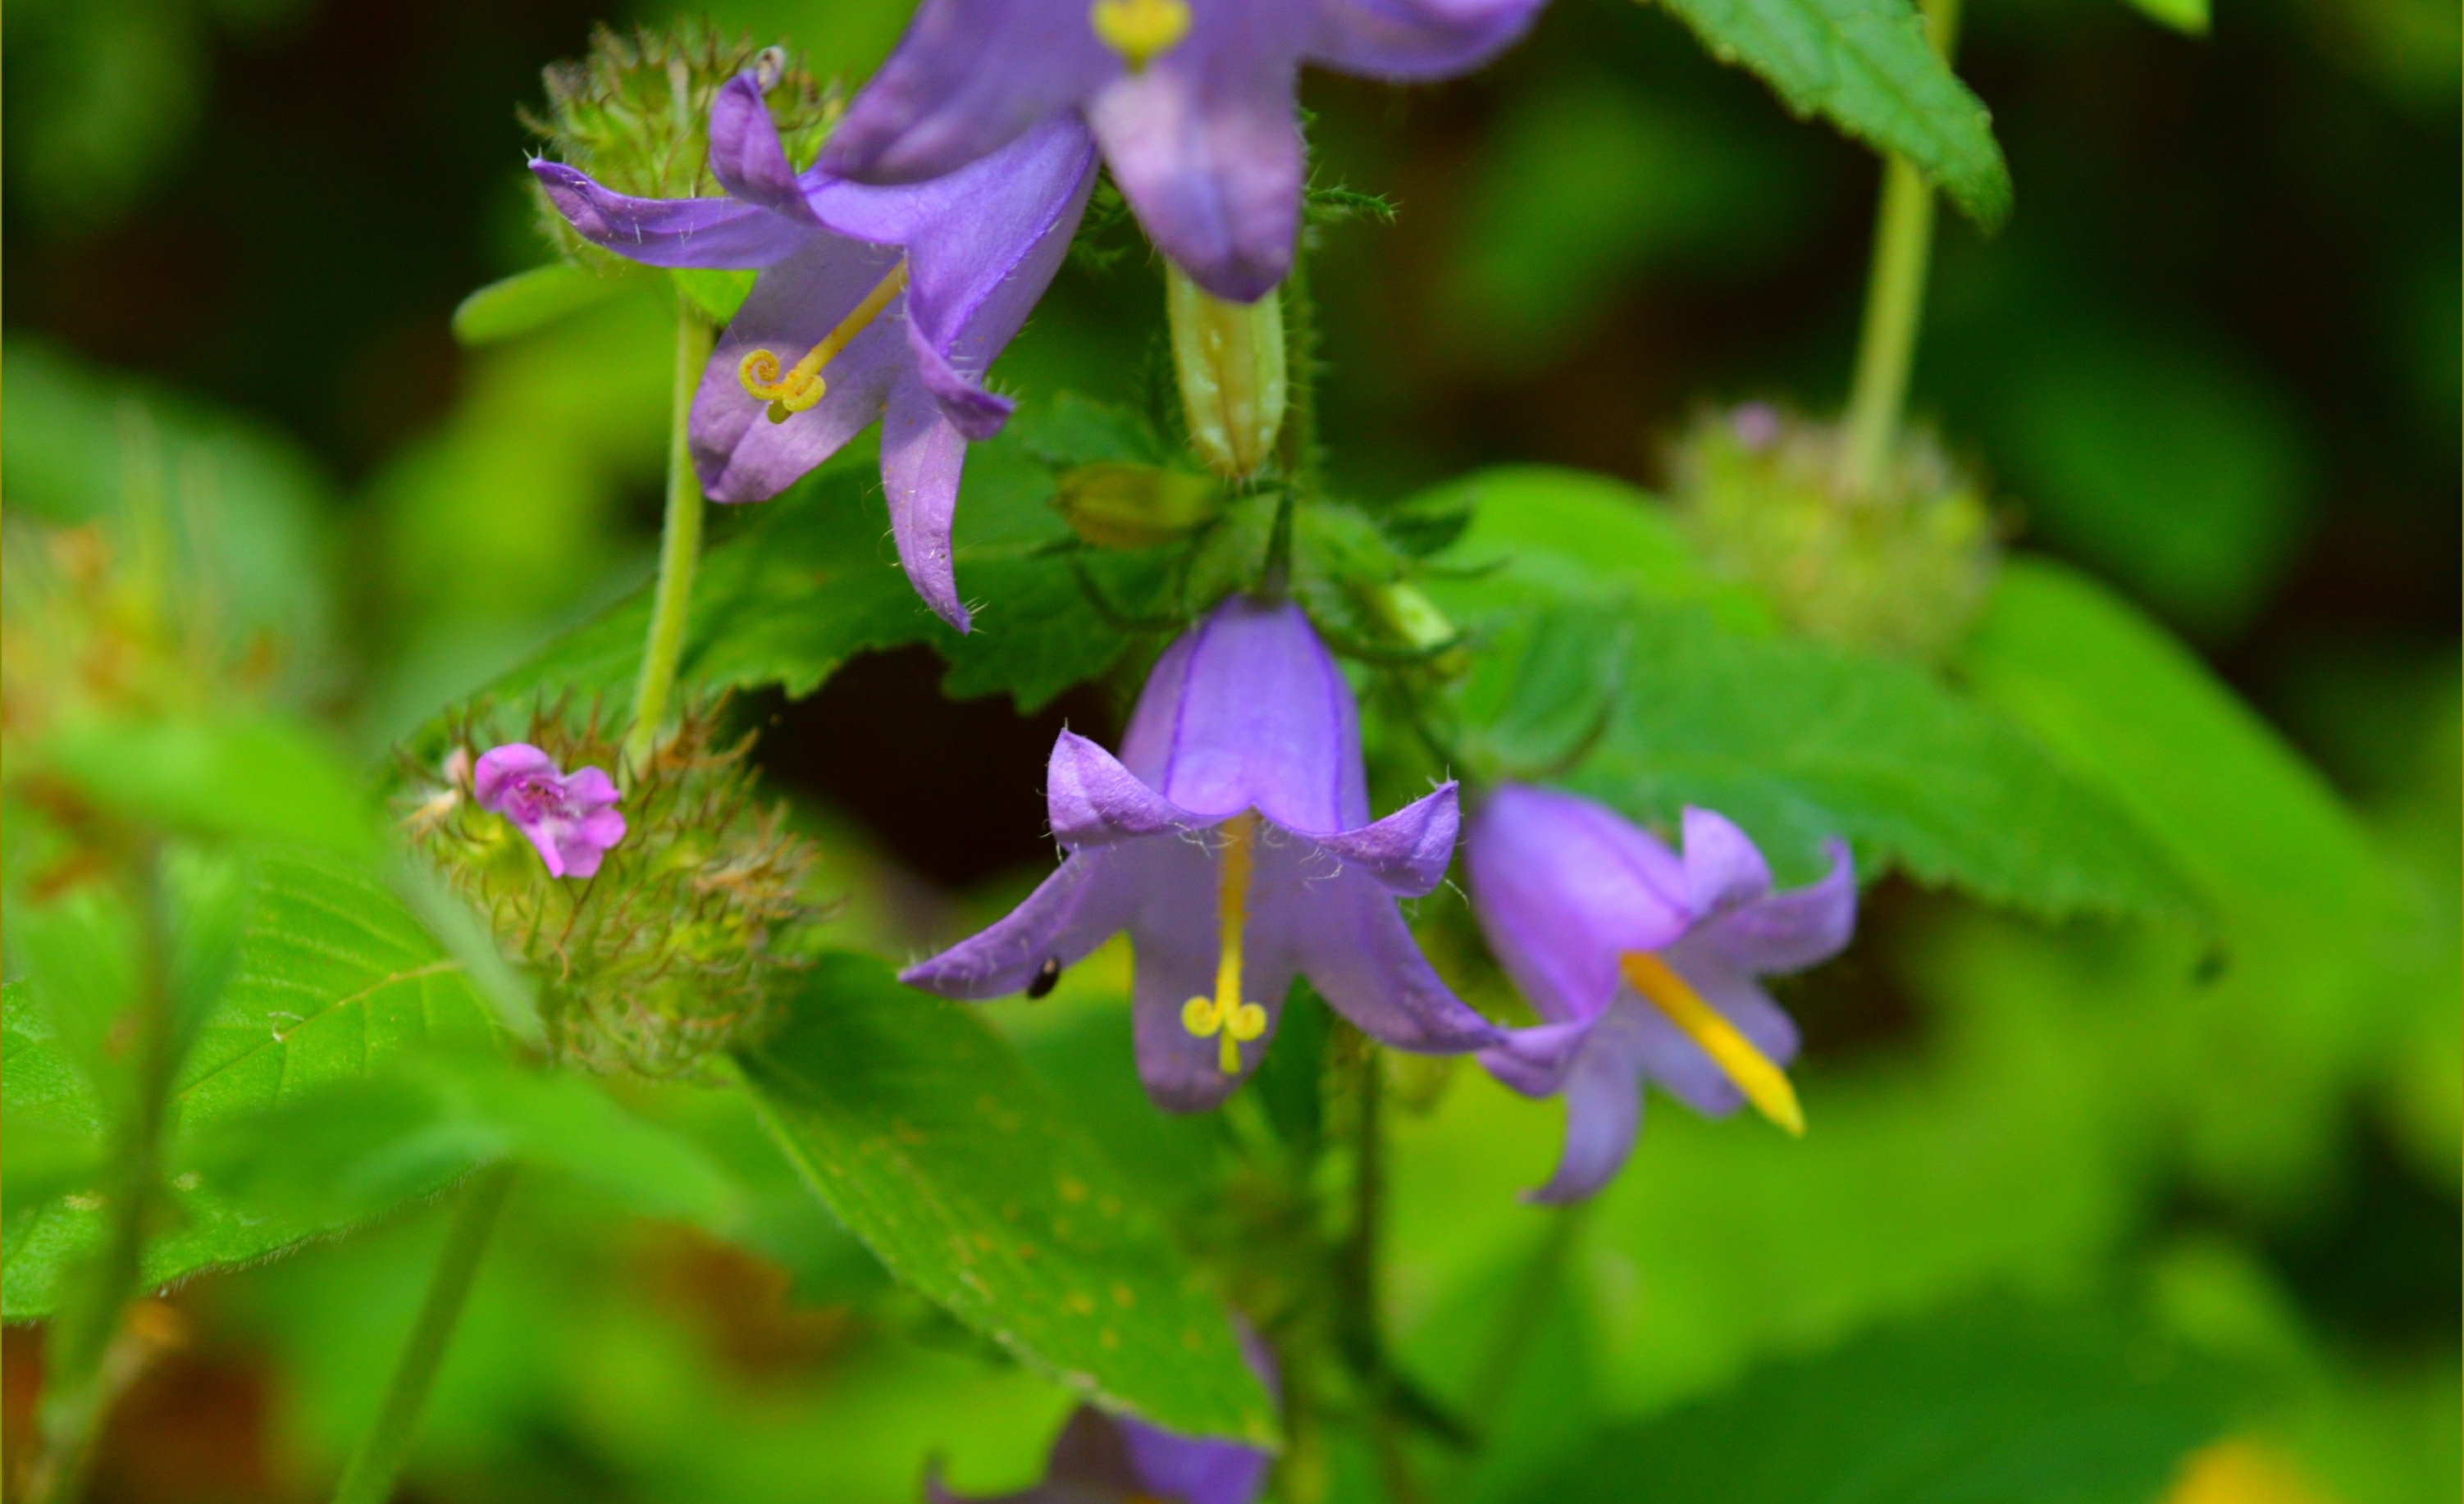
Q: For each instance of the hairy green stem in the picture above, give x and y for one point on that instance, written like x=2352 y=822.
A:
x=82 y=1378
x=1894 y=302
x=679 y=543
x=1297 y=443
x=368 y=1477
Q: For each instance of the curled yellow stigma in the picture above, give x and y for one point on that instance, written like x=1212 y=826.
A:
x=1224 y=1016
x=801 y=385
x=1763 y=1082
x=1140 y=31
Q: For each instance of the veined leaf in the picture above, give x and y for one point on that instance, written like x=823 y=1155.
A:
x=1866 y=65
x=935 y=1145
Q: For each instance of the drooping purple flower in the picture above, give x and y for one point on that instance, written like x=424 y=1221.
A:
x=1192 y=101
x=1232 y=839
x=872 y=302
x=570 y=817
x=1118 y=1459
x=1651 y=956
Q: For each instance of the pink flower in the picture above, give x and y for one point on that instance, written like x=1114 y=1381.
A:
x=572 y=820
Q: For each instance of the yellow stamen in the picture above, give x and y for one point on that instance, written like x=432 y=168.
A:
x=1763 y=1082
x=802 y=385
x=1140 y=31
x=1224 y=1016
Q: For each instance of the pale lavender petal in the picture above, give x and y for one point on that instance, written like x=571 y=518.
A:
x=1793 y=929
x=1175 y=936
x=1408 y=851
x=745 y=154
x=1091 y=800
x=976 y=413
x=590 y=787
x=1205 y=146
x=740 y=454
x=500 y=768
x=1603 y=1111
x=1723 y=867
x=1086 y=903
x=1671 y=1057
x=1534 y=1060
x=1407 y=41
x=1561 y=888
x=968 y=78
x=1193 y=1469
x=921 y=458
x=1248 y=711
x=1346 y=936
x=671 y=232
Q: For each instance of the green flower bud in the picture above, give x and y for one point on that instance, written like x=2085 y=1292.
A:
x=1229 y=357
x=680 y=949
x=1411 y=618
x=1903 y=569
x=1136 y=506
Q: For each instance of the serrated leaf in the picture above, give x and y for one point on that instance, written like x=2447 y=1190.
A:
x=1867 y=66
x=334 y=980
x=533 y=299
x=935 y=1145
x=2003 y=1404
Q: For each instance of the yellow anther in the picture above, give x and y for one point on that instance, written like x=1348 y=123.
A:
x=801 y=385
x=1224 y=1016
x=1140 y=31
x=1763 y=1082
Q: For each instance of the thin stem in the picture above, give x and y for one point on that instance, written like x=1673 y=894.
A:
x=1894 y=302
x=679 y=544
x=368 y=1477
x=1356 y=1273
x=1297 y=445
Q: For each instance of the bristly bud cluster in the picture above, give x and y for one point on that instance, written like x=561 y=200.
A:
x=1902 y=569
x=680 y=947
x=634 y=114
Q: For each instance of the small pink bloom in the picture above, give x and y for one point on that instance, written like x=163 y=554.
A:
x=571 y=819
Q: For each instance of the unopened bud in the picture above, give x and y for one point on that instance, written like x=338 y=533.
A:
x=1414 y=620
x=1231 y=360
x=1136 y=506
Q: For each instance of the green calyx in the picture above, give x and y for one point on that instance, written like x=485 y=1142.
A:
x=634 y=113
x=1902 y=568
x=681 y=946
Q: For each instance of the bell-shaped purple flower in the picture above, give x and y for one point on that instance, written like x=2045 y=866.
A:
x=1192 y=101
x=1232 y=839
x=1649 y=958
x=872 y=302
x=570 y=817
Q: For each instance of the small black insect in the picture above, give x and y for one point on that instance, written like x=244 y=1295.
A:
x=1047 y=976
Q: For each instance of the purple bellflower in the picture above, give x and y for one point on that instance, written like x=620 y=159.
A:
x=1651 y=956
x=1232 y=839
x=571 y=819
x=872 y=302
x=1192 y=101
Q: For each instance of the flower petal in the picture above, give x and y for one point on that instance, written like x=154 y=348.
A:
x=1080 y=906
x=1603 y=1111
x=740 y=454
x=1091 y=800
x=1562 y=886
x=1407 y=40
x=1723 y=868
x=671 y=232
x=1205 y=146
x=1792 y=929
x=1176 y=935
x=589 y=788
x=921 y=457
x=968 y=78
x=500 y=768
x=1193 y=1469
x=1534 y=1060
x=745 y=154
x=1350 y=940
x=1671 y=1057
x=1408 y=851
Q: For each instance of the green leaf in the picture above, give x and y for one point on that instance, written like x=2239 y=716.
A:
x=2188 y=17
x=532 y=299
x=2015 y=1406
x=229 y=775
x=334 y=981
x=1866 y=64
x=935 y=1145
x=715 y=292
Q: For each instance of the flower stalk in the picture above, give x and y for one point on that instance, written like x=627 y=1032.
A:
x=679 y=543
x=1894 y=301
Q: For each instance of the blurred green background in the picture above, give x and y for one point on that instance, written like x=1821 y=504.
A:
x=2214 y=360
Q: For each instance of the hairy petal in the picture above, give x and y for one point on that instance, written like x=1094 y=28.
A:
x=922 y=454
x=671 y=232
x=1086 y=903
x=1092 y=800
x=1408 y=851
x=746 y=157
x=1350 y=940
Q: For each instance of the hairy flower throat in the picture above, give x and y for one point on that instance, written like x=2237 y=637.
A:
x=1140 y=31
x=802 y=385
x=1763 y=1084
x=1225 y=1016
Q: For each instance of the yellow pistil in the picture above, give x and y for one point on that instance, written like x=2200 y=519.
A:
x=1140 y=31
x=1224 y=1016
x=801 y=385
x=1763 y=1082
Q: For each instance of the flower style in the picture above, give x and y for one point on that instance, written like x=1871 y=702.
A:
x=1192 y=101
x=1231 y=838
x=901 y=296
x=571 y=819
x=1651 y=956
